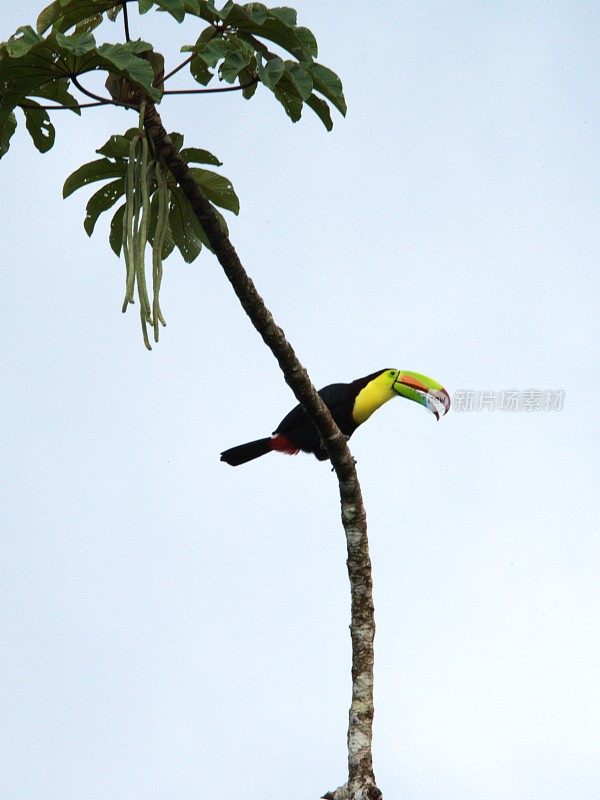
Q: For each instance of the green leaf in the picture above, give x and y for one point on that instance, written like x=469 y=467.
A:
x=321 y=109
x=115 y=236
x=21 y=42
x=64 y=14
x=224 y=12
x=213 y=51
x=41 y=68
x=232 y=65
x=239 y=43
x=329 y=85
x=199 y=71
x=217 y=188
x=307 y=41
x=116 y=147
x=124 y=57
x=257 y=12
x=177 y=139
x=101 y=201
x=301 y=78
x=271 y=72
x=39 y=126
x=47 y=16
x=56 y=91
x=98 y=170
x=287 y=94
x=120 y=55
x=223 y=222
x=90 y=24
x=157 y=62
x=6 y=132
x=79 y=44
x=247 y=78
x=144 y=6
x=207 y=35
x=185 y=226
x=176 y=8
x=285 y=15
x=200 y=9
x=12 y=99
x=291 y=103
x=297 y=41
x=259 y=48
x=198 y=156
x=209 y=6
x=113 y=13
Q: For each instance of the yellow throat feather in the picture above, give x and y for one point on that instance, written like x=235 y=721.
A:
x=373 y=396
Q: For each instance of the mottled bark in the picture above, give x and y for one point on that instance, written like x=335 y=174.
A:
x=361 y=781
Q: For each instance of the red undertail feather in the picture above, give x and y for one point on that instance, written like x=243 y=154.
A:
x=283 y=445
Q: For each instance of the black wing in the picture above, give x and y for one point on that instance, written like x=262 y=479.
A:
x=333 y=395
x=339 y=398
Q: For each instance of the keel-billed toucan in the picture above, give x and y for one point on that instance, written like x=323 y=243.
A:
x=350 y=405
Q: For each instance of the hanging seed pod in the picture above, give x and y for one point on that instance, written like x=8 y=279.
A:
x=162 y=225
x=142 y=172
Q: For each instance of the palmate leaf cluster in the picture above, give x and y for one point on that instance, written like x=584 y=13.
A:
x=232 y=47
x=241 y=43
x=184 y=231
x=33 y=67
x=241 y=46
x=249 y=44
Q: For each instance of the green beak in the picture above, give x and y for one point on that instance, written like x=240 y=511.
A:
x=423 y=390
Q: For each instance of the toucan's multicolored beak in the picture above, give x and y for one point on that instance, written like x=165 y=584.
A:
x=423 y=390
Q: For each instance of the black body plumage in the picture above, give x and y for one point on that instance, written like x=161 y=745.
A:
x=297 y=429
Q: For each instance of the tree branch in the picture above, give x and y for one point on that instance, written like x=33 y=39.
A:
x=64 y=108
x=106 y=101
x=214 y=90
x=126 y=20
x=361 y=780
x=178 y=67
x=218 y=30
x=112 y=101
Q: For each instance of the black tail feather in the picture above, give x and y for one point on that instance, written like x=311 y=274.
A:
x=246 y=452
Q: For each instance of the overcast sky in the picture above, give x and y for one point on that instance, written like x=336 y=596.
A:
x=176 y=628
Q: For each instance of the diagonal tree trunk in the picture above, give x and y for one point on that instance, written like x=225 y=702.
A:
x=361 y=780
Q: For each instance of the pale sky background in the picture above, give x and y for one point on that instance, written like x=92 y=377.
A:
x=175 y=628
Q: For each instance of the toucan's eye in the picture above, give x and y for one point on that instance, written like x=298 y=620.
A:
x=392 y=373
